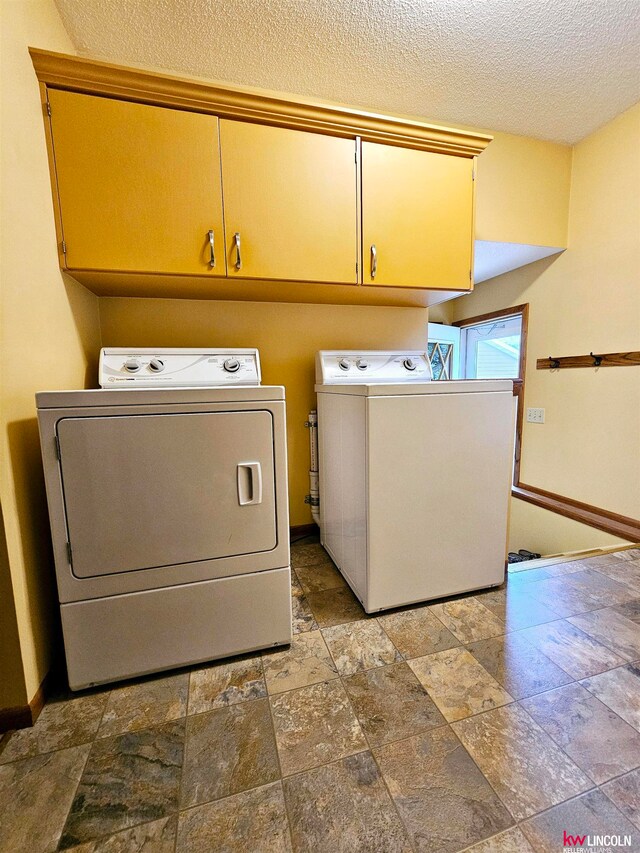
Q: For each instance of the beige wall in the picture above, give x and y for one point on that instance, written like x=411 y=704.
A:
x=441 y=313
x=50 y=339
x=587 y=299
x=523 y=191
x=547 y=532
x=288 y=337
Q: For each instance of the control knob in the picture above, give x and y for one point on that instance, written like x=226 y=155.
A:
x=231 y=365
x=362 y=364
x=409 y=363
x=156 y=364
x=344 y=364
x=132 y=365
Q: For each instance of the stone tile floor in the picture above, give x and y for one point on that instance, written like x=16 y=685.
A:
x=490 y=722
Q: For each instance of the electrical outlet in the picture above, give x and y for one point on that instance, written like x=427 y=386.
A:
x=535 y=416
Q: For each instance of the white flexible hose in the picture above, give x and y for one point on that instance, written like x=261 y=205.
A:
x=314 y=489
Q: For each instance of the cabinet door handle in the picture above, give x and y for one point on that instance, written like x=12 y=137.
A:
x=212 y=256
x=236 y=240
x=374 y=260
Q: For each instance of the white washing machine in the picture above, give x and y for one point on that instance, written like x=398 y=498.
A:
x=415 y=476
x=167 y=492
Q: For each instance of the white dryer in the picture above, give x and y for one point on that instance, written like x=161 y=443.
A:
x=415 y=476
x=167 y=494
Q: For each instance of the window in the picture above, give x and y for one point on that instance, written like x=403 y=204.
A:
x=478 y=348
x=440 y=358
x=443 y=351
x=492 y=350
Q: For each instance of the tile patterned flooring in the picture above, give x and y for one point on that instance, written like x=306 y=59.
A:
x=489 y=723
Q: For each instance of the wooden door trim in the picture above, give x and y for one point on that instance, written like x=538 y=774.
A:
x=60 y=71
x=492 y=315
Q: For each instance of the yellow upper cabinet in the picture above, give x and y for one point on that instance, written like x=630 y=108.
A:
x=162 y=183
x=290 y=203
x=417 y=218
x=139 y=186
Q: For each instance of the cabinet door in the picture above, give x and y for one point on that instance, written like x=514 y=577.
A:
x=417 y=218
x=139 y=186
x=290 y=196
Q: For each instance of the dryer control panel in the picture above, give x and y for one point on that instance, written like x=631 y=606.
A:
x=335 y=367
x=177 y=368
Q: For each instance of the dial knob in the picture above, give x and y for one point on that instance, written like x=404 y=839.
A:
x=362 y=364
x=231 y=365
x=132 y=365
x=409 y=363
x=344 y=364
x=156 y=364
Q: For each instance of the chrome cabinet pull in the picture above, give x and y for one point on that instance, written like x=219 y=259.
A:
x=236 y=240
x=212 y=257
x=374 y=260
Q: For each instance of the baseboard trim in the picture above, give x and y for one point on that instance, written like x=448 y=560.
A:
x=602 y=519
x=18 y=717
x=299 y=531
x=24 y=716
x=570 y=557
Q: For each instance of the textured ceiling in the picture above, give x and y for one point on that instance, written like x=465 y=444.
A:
x=553 y=69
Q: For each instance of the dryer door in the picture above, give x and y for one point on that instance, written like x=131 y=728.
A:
x=144 y=491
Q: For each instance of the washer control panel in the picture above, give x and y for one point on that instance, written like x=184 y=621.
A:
x=177 y=368
x=340 y=367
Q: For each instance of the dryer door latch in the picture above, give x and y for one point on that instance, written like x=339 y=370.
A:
x=249 y=483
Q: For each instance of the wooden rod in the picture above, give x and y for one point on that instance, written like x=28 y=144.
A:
x=602 y=519
x=609 y=359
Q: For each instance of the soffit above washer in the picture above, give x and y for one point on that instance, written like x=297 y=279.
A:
x=492 y=259
x=551 y=69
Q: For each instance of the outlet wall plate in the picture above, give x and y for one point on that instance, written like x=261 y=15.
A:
x=535 y=416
